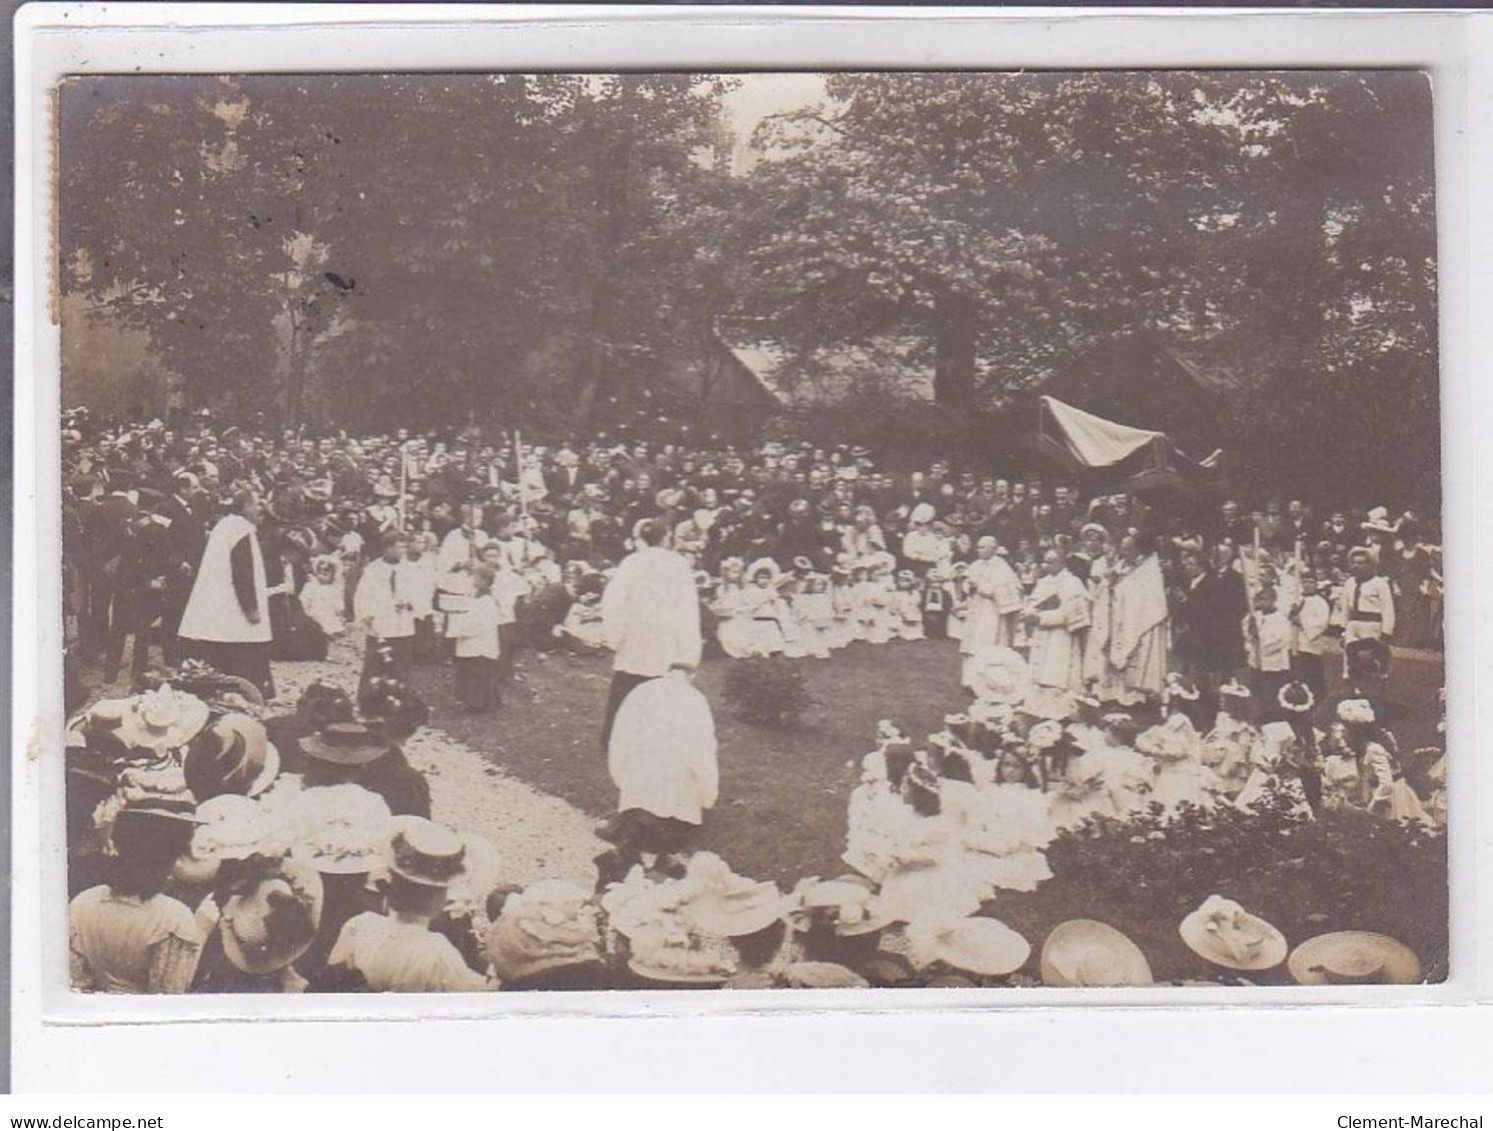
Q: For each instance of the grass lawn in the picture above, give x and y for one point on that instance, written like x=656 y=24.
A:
x=783 y=792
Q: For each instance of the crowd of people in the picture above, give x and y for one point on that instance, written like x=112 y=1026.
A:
x=220 y=848
x=1116 y=655
x=796 y=549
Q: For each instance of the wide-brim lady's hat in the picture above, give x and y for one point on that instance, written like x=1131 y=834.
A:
x=1377 y=522
x=546 y=926
x=1085 y=952
x=853 y=900
x=740 y=910
x=345 y=744
x=163 y=719
x=235 y=827
x=339 y=829
x=426 y=853
x=1225 y=934
x=270 y=926
x=234 y=755
x=922 y=513
x=976 y=945
x=1354 y=958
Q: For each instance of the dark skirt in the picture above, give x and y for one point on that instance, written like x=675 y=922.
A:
x=477 y=680
x=399 y=663
x=247 y=661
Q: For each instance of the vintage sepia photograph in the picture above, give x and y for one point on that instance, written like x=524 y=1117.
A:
x=646 y=531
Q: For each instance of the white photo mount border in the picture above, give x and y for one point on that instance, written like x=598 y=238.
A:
x=61 y=40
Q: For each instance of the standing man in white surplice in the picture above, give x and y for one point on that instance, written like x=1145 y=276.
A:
x=226 y=622
x=651 y=614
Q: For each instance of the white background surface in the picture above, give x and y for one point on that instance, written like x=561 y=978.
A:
x=715 y=1041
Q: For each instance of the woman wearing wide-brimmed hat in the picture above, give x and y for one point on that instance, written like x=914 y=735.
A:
x=1363 y=770
x=360 y=754
x=128 y=936
x=269 y=917
x=234 y=755
x=548 y=937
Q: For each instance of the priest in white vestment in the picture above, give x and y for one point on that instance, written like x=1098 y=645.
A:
x=651 y=614
x=994 y=604
x=226 y=622
x=1132 y=625
x=1057 y=611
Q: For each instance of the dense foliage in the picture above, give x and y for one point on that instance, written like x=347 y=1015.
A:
x=1346 y=870
x=538 y=249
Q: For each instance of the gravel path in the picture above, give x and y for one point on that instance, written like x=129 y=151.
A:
x=537 y=835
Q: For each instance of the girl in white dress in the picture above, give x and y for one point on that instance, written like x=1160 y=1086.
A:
x=844 y=628
x=727 y=608
x=907 y=607
x=762 y=612
x=814 y=615
x=324 y=596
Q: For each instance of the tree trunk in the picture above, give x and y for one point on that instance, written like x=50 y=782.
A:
x=611 y=175
x=954 y=350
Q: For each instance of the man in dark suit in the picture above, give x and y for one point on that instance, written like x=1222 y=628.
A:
x=1209 y=610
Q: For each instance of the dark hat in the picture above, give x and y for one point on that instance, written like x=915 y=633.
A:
x=154 y=827
x=325 y=704
x=345 y=744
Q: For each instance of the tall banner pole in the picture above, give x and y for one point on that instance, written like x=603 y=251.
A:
x=404 y=480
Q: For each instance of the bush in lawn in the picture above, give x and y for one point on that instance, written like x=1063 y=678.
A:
x=767 y=690
x=1345 y=870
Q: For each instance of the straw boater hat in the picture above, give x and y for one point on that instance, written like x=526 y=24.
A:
x=1225 y=934
x=344 y=744
x=163 y=719
x=426 y=853
x=1085 y=952
x=270 y=926
x=975 y=945
x=1354 y=958
x=234 y=755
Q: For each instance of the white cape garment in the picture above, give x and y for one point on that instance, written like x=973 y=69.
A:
x=662 y=751
x=212 y=611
